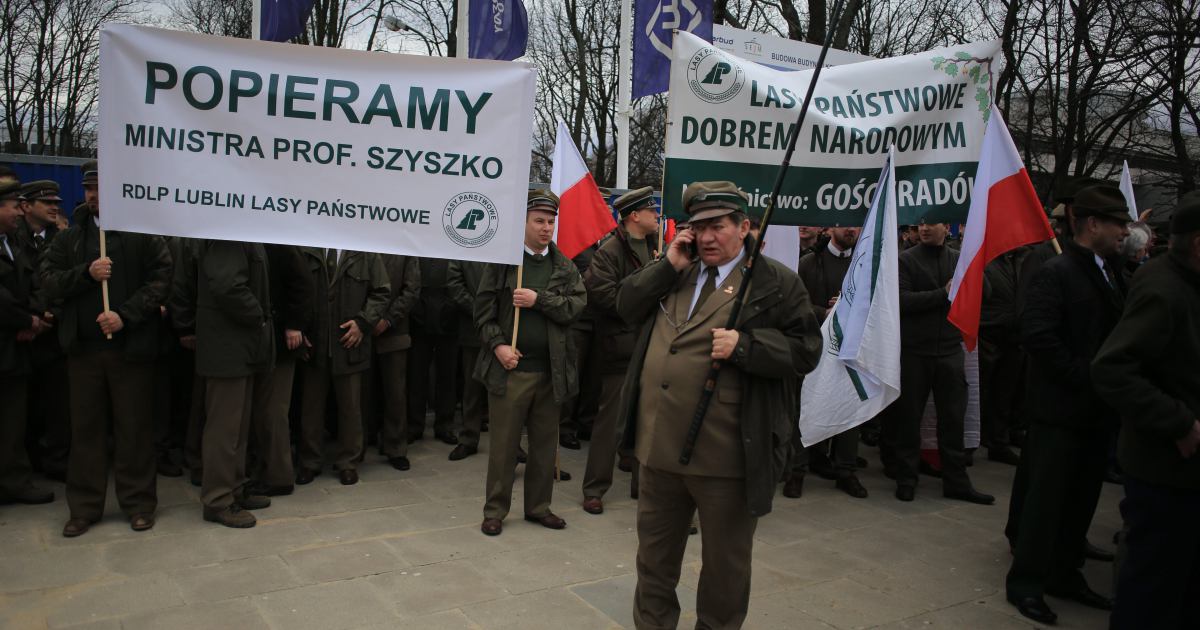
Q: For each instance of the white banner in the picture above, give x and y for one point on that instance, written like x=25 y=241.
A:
x=213 y=137
x=778 y=52
x=731 y=120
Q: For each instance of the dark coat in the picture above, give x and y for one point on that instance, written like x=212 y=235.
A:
x=404 y=278
x=358 y=290
x=924 y=330
x=235 y=336
x=1069 y=313
x=561 y=302
x=463 y=284
x=611 y=264
x=822 y=273
x=434 y=313
x=16 y=310
x=1147 y=370
x=293 y=296
x=780 y=341
x=138 y=287
x=998 y=316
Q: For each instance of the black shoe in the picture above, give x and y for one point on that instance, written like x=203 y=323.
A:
x=969 y=459
x=29 y=495
x=1113 y=476
x=399 y=463
x=926 y=469
x=1004 y=455
x=521 y=456
x=970 y=495
x=1092 y=552
x=462 y=451
x=906 y=493
x=56 y=474
x=483 y=428
x=447 y=438
x=1035 y=608
x=1017 y=437
x=584 y=434
x=625 y=463
x=348 y=477
x=569 y=441
x=253 y=501
x=563 y=475
x=269 y=491
x=196 y=476
x=415 y=437
x=870 y=438
x=860 y=462
x=305 y=476
x=851 y=486
x=793 y=488
x=1084 y=595
x=168 y=468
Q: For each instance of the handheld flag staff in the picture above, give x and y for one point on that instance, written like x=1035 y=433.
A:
x=710 y=381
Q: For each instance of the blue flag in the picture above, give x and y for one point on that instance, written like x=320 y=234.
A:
x=653 y=21
x=283 y=19
x=498 y=29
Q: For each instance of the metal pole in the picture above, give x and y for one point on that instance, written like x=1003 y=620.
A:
x=710 y=381
x=256 y=20
x=624 y=87
x=462 y=48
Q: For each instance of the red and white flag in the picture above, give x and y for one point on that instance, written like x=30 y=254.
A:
x=1005 y=214
x=583 y=215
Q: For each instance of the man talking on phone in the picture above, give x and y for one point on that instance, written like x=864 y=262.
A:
x=683 y=303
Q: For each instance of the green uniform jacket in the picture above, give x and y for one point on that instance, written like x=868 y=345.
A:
x=561 y=302
x=611 y=264
x=235 y=336
x=1147 y=371
x=16 y=311
x=141 y=273
x=404 y=277
x=779 y=342
x=463 y=283
x=358 y=290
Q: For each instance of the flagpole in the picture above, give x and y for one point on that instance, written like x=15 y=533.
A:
x=624 y=88
x=517 y=309
x=463 y=47
x=710 y=381
x=256 y=20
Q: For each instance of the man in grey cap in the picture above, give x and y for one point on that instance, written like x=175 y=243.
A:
x=683 y=303
x=20 y=322
x=1075 y=301
x=631 y=247
x=530 y=377
x=49 y=415
x=1146 y=370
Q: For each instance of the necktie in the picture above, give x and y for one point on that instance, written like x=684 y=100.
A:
x=331 y=259
x=38 y=241
x=710 y=285
x=4 y=250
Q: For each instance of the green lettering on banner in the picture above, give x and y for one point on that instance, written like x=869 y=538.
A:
x=236 y=91
x=435 y=113
x=189 y=94
x=153 y=84
x=291 y=95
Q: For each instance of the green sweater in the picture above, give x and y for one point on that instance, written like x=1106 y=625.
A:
x=533 y=339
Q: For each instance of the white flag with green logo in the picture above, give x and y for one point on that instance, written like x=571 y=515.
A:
x=859 y=372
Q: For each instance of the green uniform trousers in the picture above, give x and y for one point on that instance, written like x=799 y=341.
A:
x=393 y=370
x=227 y=406
x=474 y=400
x=528 y=404
x=347 y=390
x=269 y=424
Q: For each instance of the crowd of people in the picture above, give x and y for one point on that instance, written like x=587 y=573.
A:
x=127 y=355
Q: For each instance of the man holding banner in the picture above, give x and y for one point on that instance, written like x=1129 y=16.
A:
x=531 y=372
x=681 y=303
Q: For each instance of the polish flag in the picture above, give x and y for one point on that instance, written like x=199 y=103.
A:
x=1005 y=214
x=583 y=215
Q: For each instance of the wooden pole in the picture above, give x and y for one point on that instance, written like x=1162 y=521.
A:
x=1057 y=247
x=104 y=283
x=517 y=310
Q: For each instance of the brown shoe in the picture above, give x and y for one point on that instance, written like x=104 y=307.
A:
x=348 y=477
x=492 y=526
x=250 y=501
x=232 y=516
x=549 y=521
x=593 y=505
x=77 y=527
x=141 y=522
x=794 y=486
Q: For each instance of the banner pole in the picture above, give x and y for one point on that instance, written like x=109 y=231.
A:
x=516 y=309
x=624 y=90
x=104 y=283
x=710 y=381
x=256 y=20
x=463 y=47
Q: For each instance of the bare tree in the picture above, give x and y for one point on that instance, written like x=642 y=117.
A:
x=228 y=18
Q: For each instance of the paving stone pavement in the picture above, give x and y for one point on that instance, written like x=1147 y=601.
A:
x=403 y=550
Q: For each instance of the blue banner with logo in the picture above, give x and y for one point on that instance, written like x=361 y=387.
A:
x=283 y=19
x=653 y=23
x=498 y=29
